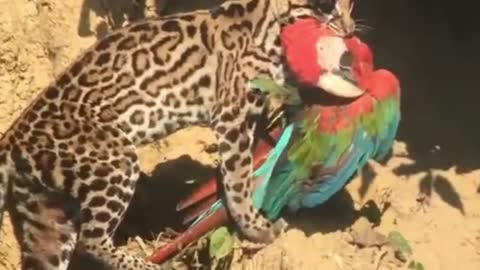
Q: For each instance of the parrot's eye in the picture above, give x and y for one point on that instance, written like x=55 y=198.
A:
x=346 y=60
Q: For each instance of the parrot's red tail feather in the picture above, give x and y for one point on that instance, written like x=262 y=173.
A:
x=205 y=190
x=199 y=208
x=215 y=220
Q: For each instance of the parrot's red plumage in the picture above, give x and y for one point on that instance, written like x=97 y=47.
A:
x=318 y=57
x=381 y=84
x=299 y=44
x=363 y=57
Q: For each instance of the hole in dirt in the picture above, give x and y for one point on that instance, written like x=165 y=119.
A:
x=154 y=203
x=153 y=206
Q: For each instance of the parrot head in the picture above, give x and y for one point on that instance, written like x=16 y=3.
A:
x=317 y=56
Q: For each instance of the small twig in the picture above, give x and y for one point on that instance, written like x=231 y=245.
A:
x=379 y=258
x=141 y=244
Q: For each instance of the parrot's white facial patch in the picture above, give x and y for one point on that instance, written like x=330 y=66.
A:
x=335 y=79
x=329 y=51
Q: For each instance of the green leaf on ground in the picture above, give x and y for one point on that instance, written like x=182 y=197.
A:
x=399 y=242
x=416 y=266
x=221 y=243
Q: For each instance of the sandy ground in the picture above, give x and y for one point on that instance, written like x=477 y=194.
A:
x=39 y=38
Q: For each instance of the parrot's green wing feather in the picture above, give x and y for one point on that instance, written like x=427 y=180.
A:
x=286 y=94
x=313 y=153
x=388 y=112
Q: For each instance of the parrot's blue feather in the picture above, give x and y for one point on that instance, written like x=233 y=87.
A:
x=330 y=184
x=213 y=208
x=264 y=172
x=266 y=169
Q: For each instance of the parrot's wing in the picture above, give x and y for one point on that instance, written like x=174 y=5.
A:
x=391 y=120
x=328 y=180
x=267 y=168
x=318 y=163
x=384 y=121
x=373 y=134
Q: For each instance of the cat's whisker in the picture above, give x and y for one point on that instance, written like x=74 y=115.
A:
x=360 y=20
x=363 y=27
x=362 y=23
x=363 y=30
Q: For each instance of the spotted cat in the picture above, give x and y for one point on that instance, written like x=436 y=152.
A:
x=68 y=164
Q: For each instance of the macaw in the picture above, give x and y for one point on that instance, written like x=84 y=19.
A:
x=322 y=144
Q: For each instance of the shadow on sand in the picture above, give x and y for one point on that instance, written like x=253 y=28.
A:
x=153 y=205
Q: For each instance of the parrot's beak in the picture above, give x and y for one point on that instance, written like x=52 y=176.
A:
x=340 y=83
